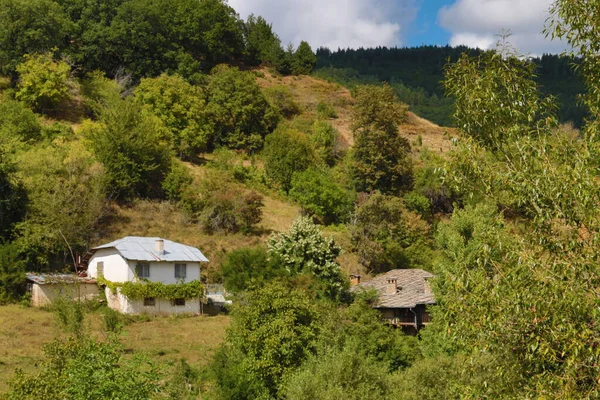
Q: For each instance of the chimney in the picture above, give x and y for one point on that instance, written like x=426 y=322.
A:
x=160 y=246
x=354 y=279
x=392 y=286
x=426 y=287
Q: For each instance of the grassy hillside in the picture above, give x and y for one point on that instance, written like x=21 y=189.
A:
x=164 y=219
x=25 y=331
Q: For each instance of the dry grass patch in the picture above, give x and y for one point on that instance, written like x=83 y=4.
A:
x=25 y=331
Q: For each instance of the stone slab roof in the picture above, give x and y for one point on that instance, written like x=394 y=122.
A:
x=412 y=288
x=44 y=279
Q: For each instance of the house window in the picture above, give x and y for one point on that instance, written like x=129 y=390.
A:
x=142 y=270
x=149 y=301
x=180 y=270
x=178 y=302
x=100 y=268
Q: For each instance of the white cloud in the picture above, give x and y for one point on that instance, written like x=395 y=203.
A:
x=477 y=23
x=334 y=23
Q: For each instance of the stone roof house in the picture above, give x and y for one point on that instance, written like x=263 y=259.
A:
x=404 y=295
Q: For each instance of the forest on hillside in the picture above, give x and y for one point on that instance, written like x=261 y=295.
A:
x=417 y=76
x=118 y=115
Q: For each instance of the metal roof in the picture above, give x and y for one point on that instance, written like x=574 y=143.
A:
x=412 y=288
x=138 y=248
x=44 y=279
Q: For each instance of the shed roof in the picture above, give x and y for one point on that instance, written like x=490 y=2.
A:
x=412 y=288
x=139 y=248
x=44 y=279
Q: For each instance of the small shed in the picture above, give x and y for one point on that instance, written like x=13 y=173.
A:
x=45 y=288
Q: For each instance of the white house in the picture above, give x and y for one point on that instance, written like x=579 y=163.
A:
x=142 y=259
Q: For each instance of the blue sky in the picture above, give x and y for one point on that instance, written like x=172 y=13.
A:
x=369 y=23
x=425 y=29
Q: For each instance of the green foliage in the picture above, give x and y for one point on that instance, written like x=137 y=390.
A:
x=326 y=111
x=319 y=195
x=219 y=206
x=228 y=211
x=100 y=92
x=28 y=27
x=496 y=98
x=250 y=267
x=272 y=332
x=177 y=181
x=429 y=182
x=81 y=367
x=43 y=83
x=66 y=188
x=262 y=44
x=386 y=236
x=12 y=274
x=381 y=158
x=286 y=152
x=143 y=288
x=415 y=201
x=281 y=99
x=13 y=198
x=338 y=374
x=180 y=386
x=113 y=320
x=182 y=109
x=70 y=314
x=241 y=114
x=303 y=59
x=304 y=250
x=19 y=121
x=134 y=149
x=324 y=140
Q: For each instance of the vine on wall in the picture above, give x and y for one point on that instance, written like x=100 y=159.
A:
x=144 y=288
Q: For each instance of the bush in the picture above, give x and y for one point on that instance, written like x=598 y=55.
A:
x=227 y=211
x=319 y=195
x=281 y=99
x=69 y=313
x=134 y=149
x=113 y=320
x=324 y=139
x=12 y=274
x=241 y=114
x=43 y=82
x=177 y=181
x=181 y=107
x=250 y=267
x=386 y=236
x=19 y=121
x=304 y=250
x=99 y=92
x=286 y=152
x=418 y=203
x=326 y=111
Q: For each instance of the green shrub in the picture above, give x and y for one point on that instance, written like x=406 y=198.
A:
x=228 y=211
x=415 y=201
x=286 y=152
x=99 y=92
x=281 y=99
x=12 y=274
x=326 y=111
x=177 y=181
x=324 y=139
x=69 y=313
x=19 y=121
x=113 y=320
x=43 y=82
x=319 y=195
x=250 y=267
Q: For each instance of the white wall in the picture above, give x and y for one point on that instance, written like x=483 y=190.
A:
x=162 y=306
x=43 y=295
x=116 y=268
x=165 y=271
